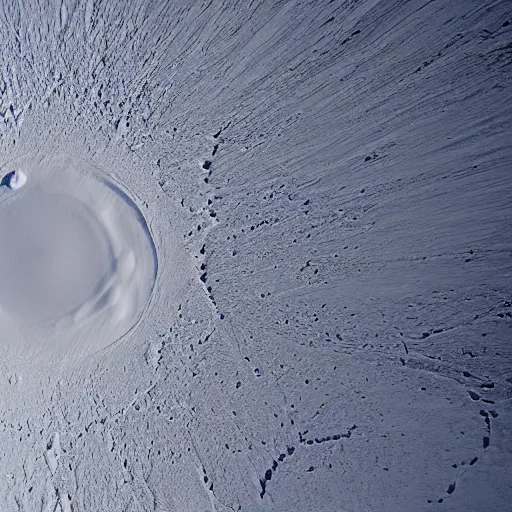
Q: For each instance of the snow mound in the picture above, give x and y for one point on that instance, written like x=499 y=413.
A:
x=17 y=179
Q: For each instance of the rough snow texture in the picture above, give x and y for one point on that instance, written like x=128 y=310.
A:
x=328 y=185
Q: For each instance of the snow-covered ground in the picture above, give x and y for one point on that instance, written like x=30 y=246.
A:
x=262 y=259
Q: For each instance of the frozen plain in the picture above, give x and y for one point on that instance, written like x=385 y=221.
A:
x=327 y=187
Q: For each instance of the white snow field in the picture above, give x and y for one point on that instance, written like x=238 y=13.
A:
x=262 y=260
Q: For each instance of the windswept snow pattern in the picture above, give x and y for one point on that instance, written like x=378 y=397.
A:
x=314 y=200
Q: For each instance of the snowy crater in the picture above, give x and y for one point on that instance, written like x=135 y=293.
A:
x=78 y=260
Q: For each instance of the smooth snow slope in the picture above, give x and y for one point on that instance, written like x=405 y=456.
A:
x=327 y=187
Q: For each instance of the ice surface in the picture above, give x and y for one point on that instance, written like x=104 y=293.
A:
x=262 y=261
